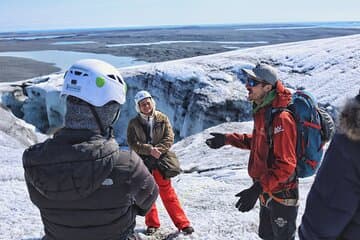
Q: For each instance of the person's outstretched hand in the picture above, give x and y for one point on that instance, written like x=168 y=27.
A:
x=248 y=197
x=217 y=141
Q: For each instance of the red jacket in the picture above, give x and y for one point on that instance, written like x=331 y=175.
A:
x=272 y=178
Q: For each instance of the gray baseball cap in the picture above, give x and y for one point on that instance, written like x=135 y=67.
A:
x=263 y=73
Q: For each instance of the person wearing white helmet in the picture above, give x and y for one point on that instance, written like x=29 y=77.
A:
x=83 y=185
x=150 y=135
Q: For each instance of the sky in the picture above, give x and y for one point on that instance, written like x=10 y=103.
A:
x=53 y=14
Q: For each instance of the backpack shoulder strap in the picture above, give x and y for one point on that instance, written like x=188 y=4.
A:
x=269 y=117
x=270 y=114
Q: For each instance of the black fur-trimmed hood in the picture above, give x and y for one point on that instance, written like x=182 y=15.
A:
x=350 y=119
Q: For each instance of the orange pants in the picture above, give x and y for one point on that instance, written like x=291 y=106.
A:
x=171 y=203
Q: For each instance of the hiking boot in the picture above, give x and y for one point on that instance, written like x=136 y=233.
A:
x=151 y=230
x=134 y=236
x=188 y=230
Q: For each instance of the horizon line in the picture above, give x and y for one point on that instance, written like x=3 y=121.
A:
x=167 y=26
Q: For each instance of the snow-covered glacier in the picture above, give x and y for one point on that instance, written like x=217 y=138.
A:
x=201 y=92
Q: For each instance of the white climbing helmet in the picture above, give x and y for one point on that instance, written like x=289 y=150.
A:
x=141 y=95
x=95 y=82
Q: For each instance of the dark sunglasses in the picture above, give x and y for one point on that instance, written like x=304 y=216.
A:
x=252 y=82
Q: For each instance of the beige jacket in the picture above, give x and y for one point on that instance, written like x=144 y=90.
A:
x=163 y=135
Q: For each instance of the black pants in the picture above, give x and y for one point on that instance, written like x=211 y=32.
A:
x=277 y=221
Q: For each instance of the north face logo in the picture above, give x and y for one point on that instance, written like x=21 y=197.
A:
x=278 y=129
x=108 y=182
x=280 y=222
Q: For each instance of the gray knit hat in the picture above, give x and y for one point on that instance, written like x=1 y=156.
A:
x=263 y=73
x=79 y=116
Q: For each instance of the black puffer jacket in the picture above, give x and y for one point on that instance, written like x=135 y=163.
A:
x=333 y=204
x=85 y=187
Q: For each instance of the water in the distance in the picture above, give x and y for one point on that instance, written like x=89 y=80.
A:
x=64 y=59
x=72 y=42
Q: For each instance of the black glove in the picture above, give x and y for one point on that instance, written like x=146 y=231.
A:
x=217 y=141
x=248 y=197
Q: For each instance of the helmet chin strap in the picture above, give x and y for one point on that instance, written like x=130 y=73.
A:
x=98 y=121
x=116 y=117
x=111 y=129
